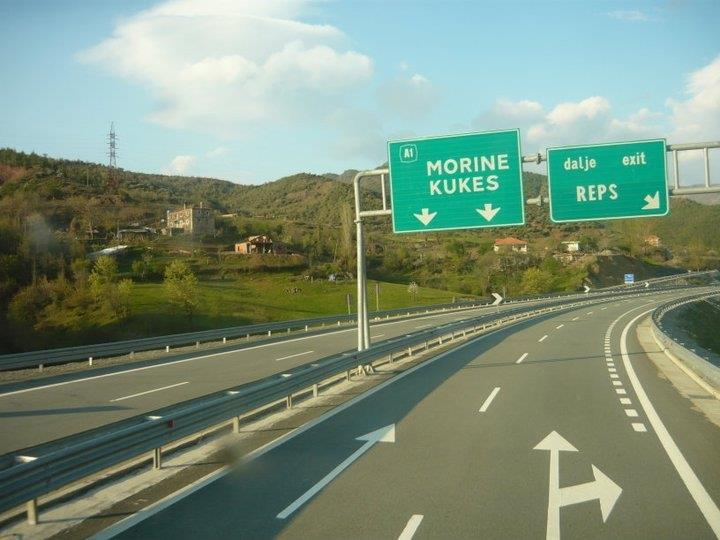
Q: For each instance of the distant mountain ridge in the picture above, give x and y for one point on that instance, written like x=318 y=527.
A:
x=67 y=188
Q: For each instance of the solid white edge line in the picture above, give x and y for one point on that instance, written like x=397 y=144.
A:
x=523 y=357
x=411 y=527
x=148 y=392
x=293 y=355
x=144 y=513
x=698 y=492
x=175 y=362
x=489 y=399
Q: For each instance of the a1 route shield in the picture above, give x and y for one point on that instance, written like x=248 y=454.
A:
x=607 y=181
x=456 y=182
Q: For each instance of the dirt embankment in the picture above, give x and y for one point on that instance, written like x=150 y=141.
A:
x=608 y=270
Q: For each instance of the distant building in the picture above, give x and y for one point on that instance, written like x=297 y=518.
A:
x=256 y=244
x=571 y=246
x=510 y=244
x=652 y=240
x=135 y=233
x=193 y=220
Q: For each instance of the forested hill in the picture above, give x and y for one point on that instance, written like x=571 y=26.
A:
x=61 y=189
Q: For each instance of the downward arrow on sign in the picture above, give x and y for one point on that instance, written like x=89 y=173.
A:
x=425 y=217
x=488 y=212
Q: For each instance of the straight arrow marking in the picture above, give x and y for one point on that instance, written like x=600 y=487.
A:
x=384 y=434
x=602 y=488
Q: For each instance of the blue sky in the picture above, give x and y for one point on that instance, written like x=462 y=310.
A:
x=250 y=91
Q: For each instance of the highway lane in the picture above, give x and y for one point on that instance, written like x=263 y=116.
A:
x=470 y=453
x=34 y=413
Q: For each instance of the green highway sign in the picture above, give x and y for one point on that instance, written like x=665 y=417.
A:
x=607 y=181
x=456 y=182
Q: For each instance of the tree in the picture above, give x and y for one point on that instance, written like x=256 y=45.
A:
x=103 y=277
x=105 y=289
x=182 y=288
x=536 y=281
x=346 y=237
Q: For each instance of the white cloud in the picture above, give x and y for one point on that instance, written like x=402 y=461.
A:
x=180 y=165
x=630 y=15
x=222 y=66
x=571 y=112
x=408 y=98
x=505 y=113
x=589 y=120
x=697 y=117
x=643 y=123
x=217 y=152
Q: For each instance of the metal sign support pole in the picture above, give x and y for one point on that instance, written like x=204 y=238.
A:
x=363 y=333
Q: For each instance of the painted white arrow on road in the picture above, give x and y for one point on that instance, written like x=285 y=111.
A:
x=498 y=299
x=426 y=216
x=653 y=201
x=488 y=212
x=602 y=488
x=384 y=434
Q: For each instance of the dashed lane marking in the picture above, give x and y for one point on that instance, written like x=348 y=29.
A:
x=411 y=527
x=489 y=399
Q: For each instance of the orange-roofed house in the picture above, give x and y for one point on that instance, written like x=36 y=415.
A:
x=510 y=244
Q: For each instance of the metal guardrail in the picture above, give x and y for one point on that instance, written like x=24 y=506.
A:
x=116 y=348
x=36 y=471
x=663 y=279
x=45 y=357
x=702 y=363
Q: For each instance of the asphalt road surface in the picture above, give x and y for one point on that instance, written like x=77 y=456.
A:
x=558 y=426
x=35 y=412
